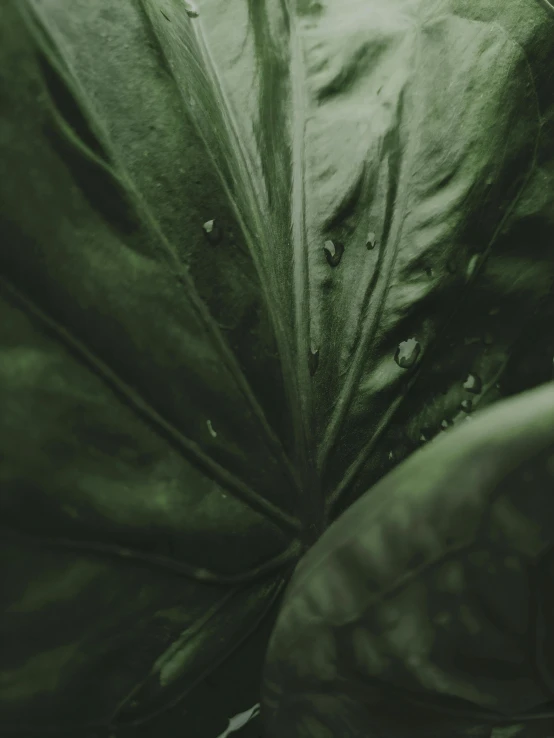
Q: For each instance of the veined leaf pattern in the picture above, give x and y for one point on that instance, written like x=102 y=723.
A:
x=254 y=253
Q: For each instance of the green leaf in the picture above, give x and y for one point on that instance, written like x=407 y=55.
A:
x=252 y=253
x=426 y=609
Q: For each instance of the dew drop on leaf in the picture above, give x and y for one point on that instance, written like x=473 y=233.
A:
x=333 y=252
x=213 y=234
x=473 y=384
x=213 y=433
x=371 y=241
x=472 y=266
x=407 y=353
x=467 y=406
x=313 y=361
x=191 y=9
x=445 y=424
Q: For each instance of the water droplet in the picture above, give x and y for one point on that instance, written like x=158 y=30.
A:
x=191 y=9
x=213 y=233
x=407 y=353
x=423 y=438
x=472 y=266
x=391 y=456
x=466 y=405
x=445 y=424
x=213 y=433
x=333 y=252
x=488 y=339
x=313 y=361
x=371 y=241
x=473 y=384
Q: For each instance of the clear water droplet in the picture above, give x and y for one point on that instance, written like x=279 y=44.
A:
x=213 y=433
x=407 y=353
x=333 y=252
x=466 y=405
x=313 y=361
x=371 y=241
x=472 y=266
x=212 y=231
x=445 y=424
x=191 y=9
x=473 y=384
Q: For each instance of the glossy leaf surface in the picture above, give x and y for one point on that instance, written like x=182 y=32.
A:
x=427 y=608
x=252 y=255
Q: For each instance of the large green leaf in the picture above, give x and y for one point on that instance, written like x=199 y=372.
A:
x=427 y=608
x=251 y=256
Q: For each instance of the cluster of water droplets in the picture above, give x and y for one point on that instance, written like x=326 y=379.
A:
x=334 y=251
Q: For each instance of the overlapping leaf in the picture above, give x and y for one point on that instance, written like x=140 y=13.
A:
x=427 y=608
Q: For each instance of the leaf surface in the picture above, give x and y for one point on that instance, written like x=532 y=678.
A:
x=427 y=608
x=252 y=256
